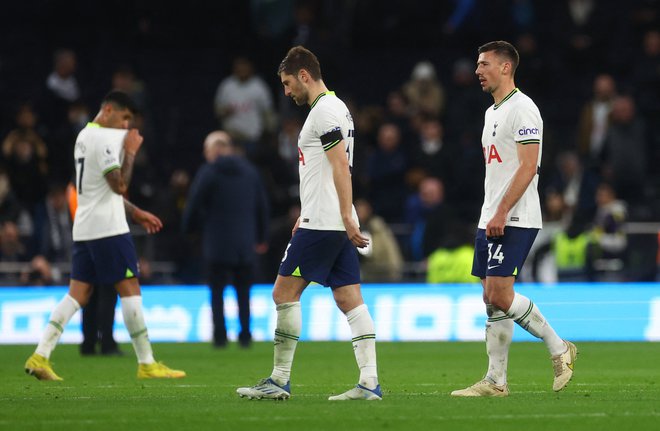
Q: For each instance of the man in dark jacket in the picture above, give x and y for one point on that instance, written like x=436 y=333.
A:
x=228 y=202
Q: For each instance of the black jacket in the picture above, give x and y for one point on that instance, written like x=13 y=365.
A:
x=227 y=202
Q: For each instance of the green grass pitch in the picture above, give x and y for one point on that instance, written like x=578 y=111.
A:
x=616 y=386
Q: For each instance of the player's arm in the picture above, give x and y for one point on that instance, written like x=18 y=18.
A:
x=528 y=156
x=341 y=174
x=147 y=220
x=120 y=179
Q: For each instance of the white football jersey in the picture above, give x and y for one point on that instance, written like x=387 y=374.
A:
x=514 y=121
x=328 y=123
x=100 y=212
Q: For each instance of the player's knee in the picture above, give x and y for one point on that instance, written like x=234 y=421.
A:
x=499 y=302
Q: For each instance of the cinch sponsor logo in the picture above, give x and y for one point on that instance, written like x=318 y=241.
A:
x=525 y=131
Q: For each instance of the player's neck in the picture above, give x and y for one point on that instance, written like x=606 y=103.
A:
x=502 y=91
x=315 y=89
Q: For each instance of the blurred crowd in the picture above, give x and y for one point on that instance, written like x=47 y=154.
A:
x=407 y=73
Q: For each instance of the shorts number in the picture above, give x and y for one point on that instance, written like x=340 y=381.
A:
x=286 y=252
x=497 y=255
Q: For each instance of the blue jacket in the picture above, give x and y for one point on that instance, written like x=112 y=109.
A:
x=227 y=202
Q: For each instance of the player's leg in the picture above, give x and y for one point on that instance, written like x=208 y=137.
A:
x=527 y=315
x=286 y=294
x=38 y=364
x=499 y=331
x=243 y=283
x=131 y=306
x=89 y=324
x=507 y=256
x=116 y=264
x=218 y=277
x=349 y=300
x=80 y=289
x=106 y=320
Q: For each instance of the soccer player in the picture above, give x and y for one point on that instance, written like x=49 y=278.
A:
x=325 y=236
x=510 y=219
x=103 y=250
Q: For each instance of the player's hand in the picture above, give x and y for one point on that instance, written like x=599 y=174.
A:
x=133 y=141
x=354 y=234
x=495 y=227
x=150 y=222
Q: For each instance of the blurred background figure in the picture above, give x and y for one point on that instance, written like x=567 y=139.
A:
x=387 y=166
x=381 y=261
x=610 y=239
x=424 y=92
x=594 y=119
x=625 y=151
x=244 y=105
x=61 y=89
x=429 y=217
x=451 y=261
x=228 y=201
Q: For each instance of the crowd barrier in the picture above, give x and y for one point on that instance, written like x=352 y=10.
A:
x=401 y=312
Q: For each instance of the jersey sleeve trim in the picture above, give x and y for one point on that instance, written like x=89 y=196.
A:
x=529 y=141
x=110 y=169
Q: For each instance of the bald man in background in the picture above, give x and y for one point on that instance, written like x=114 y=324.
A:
x=227 y=203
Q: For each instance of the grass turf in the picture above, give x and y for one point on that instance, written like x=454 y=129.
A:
x=616 y=387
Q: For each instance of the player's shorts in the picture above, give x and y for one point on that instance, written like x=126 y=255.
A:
x=326 y=257
x=105 y=260
x=502 y=256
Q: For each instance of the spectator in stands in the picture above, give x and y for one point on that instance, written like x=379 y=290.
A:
x=464 y=114
x=28 y=168
x=576 y=185
x=609 y=235
x=62 y=89
x=27 y=127
x=646 y=76
x=570 y=248
x=451 y=261
x=386 y=169
x=625 y=151
x=52 y=226
x=244 y=105
x=11 y=247
x=430 y=151
x=10 y=209
x=40 y=273
x=287 y=142
x=398 y=113
x=62 y=140
x=227 y=200
x=594 y=119
x=381 y=260
x=424 y=91
x=428 y=216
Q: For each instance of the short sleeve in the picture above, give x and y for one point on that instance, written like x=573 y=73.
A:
x=328 y=127
x=528 y=126
x=108 y=152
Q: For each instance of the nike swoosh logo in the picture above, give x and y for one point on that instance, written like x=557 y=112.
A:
x=569 y=365
x=494 y=266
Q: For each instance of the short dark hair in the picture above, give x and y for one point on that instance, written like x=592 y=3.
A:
x=121 y=100
x=298 y=58
x=503 y=49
